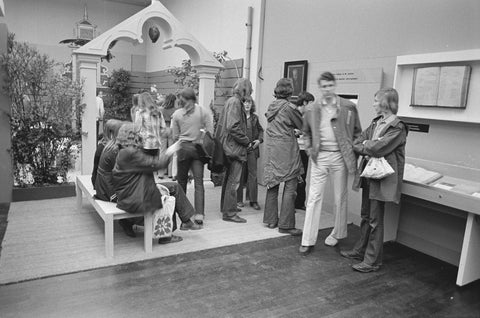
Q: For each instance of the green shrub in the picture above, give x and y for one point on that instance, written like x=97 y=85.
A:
x=45 y=114
x=118 y=99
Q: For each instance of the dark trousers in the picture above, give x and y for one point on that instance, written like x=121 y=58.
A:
x=286 y=220
x=231 y=182
x=183 y=207
x=301 y=195
x=188 y=159
x=249 y=177
x=370 y=243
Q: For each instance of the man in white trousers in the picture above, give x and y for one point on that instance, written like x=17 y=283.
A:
x=329 y=126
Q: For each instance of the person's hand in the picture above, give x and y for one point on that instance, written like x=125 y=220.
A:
x=172 y=149
x=297 y=132
x=255 y=144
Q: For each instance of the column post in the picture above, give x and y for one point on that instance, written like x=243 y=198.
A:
x=206 y=88
x=88 y=65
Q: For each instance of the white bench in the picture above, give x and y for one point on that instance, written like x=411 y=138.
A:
x=109 y=212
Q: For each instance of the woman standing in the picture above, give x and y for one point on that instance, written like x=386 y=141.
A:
x=255 y=135
x=149 y=124
x=282 y=159
x=385 y=137
x=186 y=125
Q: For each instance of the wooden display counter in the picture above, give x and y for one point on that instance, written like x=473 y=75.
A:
x=455 y=196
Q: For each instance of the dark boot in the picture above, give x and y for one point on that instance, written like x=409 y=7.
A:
x=127 y=227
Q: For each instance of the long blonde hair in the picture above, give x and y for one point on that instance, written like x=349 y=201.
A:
x=110 y=132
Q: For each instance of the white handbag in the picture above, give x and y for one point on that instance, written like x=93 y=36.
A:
x=163 y=218
x=377 y=168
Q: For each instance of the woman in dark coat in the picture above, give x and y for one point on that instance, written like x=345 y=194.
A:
x=135 y=184
x=283 y=162
x=103 y=182
x=249 y=173
x=385 y=137
x=109 y=129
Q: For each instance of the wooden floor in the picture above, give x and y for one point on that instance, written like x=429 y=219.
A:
x=51 y=237
x=266 y=278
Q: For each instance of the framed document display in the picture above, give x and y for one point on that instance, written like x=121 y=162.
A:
x=441 y=86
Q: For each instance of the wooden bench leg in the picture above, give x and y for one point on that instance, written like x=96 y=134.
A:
x=469 y=267
x=109 y=236
x=148 y=232
x=79 y=195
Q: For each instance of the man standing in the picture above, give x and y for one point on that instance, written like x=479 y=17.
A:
x=232 y=133
x=329 y=127
x=100 y=112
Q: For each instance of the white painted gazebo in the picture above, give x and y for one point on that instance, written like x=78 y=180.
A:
x=87 y=59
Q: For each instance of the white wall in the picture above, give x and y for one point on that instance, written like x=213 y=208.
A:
x=45 y=23
x=219 y=25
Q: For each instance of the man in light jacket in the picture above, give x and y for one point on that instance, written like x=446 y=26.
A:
x=329 y=126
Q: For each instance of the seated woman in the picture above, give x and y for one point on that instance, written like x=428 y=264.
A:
x=135 y=183
x=103 y=182
x=110 y=126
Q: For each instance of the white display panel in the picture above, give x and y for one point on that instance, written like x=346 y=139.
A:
x=404 y=74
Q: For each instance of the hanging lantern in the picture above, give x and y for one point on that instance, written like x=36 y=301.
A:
x=153 y=33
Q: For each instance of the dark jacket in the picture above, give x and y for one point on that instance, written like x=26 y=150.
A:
x=103 y=184
x=257 y=134
x=134 y=182
x=282 y=154
x=345 y=125
x=96 y=160
x=390 y=145
x=232 y=129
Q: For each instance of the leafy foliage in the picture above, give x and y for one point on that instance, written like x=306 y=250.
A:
x=118 y=98
x=186 y=76
x=45 y=113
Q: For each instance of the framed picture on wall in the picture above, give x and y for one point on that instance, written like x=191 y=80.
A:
x=297 y=71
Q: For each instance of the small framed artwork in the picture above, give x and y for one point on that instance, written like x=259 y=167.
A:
x=297 y=71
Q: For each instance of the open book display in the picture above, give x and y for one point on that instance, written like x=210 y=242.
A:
x=420 y=175
x=441 y=86
x=417 y=174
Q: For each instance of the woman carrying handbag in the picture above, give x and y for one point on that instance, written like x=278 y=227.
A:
x=385 y=137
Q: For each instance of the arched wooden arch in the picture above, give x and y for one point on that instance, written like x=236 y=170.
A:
x=87 y=58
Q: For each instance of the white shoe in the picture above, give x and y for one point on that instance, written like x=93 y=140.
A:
x=331 y=241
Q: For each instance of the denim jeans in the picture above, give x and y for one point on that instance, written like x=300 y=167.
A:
x=167 y=141
x=231 y=183
x=250 y=167
x=187 y=159
x=183 y=207
x=327 y=164
x=286 y=220
x=370 y=243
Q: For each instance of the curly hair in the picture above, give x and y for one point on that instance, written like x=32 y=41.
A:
x=127 y=136
x=284 y=88
x=304 y=97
